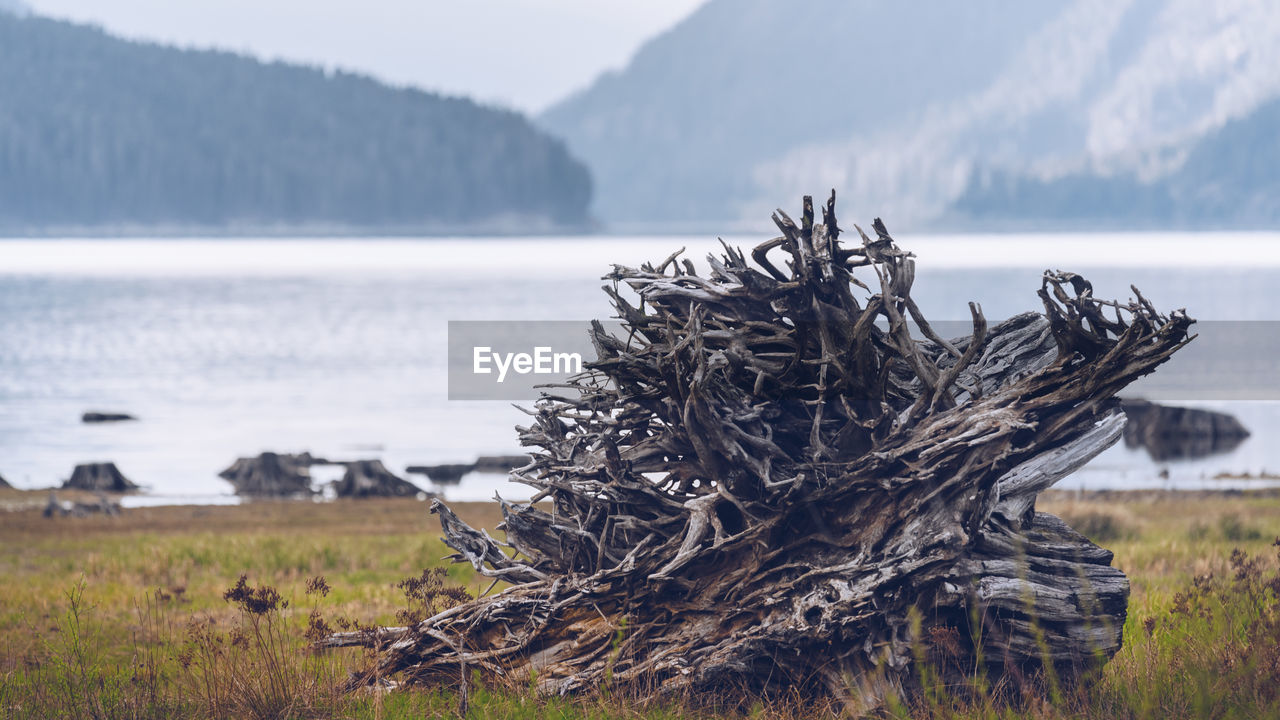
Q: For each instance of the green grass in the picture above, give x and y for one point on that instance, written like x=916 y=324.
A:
x=126 y=617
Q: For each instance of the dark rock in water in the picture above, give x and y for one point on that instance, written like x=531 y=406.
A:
x=105 y=477
x=448 y=474
x=271 y=475
x=500 y=463
x=445 y=474
x=1177 y=433
x=370 y=478
x=101 y=417
x=103 y=505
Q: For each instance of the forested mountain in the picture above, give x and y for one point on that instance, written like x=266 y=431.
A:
x=1229 y=178
x=98 y=133
x=679 y=135
x=941 y=114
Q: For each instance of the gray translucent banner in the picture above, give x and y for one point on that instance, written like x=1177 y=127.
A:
x=509 y=360
x=1229 y=360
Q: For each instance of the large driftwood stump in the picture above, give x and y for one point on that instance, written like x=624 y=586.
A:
x=770 y=483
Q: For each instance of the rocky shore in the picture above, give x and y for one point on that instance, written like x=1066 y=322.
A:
x=1167 y=434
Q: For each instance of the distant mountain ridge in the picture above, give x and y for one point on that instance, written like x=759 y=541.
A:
x=680 y=132
x=1227 y=179
x=938 y=115
x=99 y=133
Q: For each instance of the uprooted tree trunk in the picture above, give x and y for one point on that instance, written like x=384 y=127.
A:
x=770 y=483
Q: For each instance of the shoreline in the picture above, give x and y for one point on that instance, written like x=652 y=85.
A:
x=14 y=500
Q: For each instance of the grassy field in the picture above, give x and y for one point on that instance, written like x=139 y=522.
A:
x=125 y=617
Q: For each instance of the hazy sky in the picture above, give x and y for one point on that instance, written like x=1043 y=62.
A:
x=524 y=54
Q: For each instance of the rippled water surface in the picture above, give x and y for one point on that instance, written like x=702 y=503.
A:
x=226 y=348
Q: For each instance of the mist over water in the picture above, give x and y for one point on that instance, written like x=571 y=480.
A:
x=227 y=348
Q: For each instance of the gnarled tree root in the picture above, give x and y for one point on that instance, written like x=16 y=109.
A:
x=771 y=483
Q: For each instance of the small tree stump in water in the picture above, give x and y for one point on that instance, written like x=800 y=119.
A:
x=1177 y=433
x=271 y=475
x=770 y=484
x=452 y=473
x=102 y=476
x=370 y=478
x=448 y=474
x=105 y=417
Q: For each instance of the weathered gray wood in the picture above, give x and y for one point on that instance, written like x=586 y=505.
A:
x=770 y=483
x=58 y=508
x=1018 y=487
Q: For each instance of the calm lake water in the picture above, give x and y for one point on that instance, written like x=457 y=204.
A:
x=227 y=348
